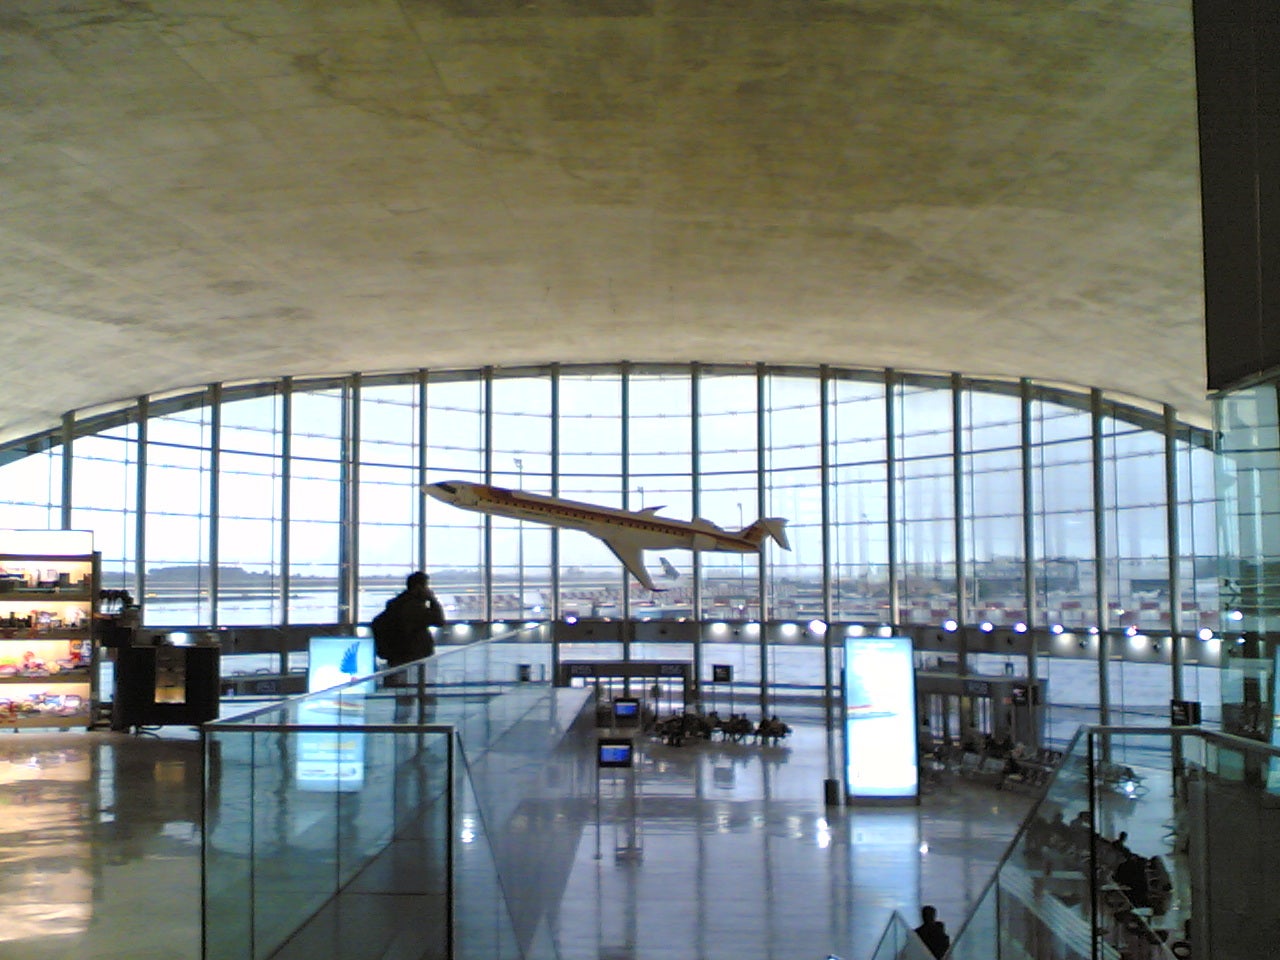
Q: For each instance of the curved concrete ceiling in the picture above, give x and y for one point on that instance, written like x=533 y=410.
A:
x=196 y=190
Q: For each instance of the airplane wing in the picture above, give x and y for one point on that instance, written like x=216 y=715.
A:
x=632 y=558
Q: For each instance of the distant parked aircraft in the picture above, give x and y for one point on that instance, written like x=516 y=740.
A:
x=628 y=533
x=669 y=572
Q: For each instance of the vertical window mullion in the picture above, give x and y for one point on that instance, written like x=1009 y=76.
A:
x=1173 y=538
x=286 y=476
x=762 y=510
x=964 y=613
x=215 y=463
x=140 y=522
x=555 y=531
x=68 y=438
x=486 y=559
x=1103 y=619
x=624 y=388
x=891 y=491
x=421 y=550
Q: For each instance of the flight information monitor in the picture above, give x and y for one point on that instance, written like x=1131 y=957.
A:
x=615 y=752
x=626 y=710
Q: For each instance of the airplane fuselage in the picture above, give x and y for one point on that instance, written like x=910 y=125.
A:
x=635 y=525
x=628 y=533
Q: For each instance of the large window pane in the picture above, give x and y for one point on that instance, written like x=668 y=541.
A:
x=1062 y=488
x=793 y=443
x=1199 y=568
x=177 y=531
x=1135 y=522
x=728 y=453
x=660 y=469
x=991 y=483
x=315 y=506
x=455 y=538
x=31 y=492
x=859 y=502
x=522 y=461
x=390 y=498
x=926 y=505
x=250 y=589
x=104 y=494
x=591 y=471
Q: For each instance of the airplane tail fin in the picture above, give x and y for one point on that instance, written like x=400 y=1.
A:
x=775 y=527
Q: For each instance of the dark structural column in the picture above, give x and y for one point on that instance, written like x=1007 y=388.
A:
x=1237 y=50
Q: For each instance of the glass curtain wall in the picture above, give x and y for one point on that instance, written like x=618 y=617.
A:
x=792 y=463
x=729 y=457
x=926 y=495
x=859 y=501
x=31 y=486
x=992 y=507
x=1196 y=617
x=661 y=474
x=250 y=499
x=456 y=550
x=298 y=502
x=1248 y=423
x=104 y=497
x=592 y=470
x=1136 y=572
x=389 y=500
x=522 y=459
x=178 y=525
x=660 y=457
x=316 y=506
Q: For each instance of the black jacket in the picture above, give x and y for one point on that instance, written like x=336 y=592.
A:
x=404 y=636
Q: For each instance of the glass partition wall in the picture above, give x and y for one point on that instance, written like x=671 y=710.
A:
x=388 y=799
x=1067 y=533
x=1147 y=842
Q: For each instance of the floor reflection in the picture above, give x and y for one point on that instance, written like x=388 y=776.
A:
x=708 y=851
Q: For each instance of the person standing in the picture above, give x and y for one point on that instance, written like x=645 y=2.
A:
x=933 y=932
x=402 y=631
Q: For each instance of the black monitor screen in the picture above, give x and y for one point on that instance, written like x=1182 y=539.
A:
x=626 y=708
x=614 y=752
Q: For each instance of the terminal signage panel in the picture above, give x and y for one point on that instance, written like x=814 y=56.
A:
x=879 y=718
x=334 y=760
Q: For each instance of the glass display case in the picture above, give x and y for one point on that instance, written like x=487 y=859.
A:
x=48 y=590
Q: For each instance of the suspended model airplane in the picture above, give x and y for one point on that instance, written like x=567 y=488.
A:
x=628 y=533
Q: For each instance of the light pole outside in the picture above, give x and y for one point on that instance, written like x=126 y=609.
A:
x=520 y=545
x=742 y=567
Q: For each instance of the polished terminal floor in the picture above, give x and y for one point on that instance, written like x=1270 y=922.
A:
x=705 y=851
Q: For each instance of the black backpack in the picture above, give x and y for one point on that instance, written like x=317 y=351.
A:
x=383 y=635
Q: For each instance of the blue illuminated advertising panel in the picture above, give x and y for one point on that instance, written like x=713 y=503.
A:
x=334 y=760
x=880 y=719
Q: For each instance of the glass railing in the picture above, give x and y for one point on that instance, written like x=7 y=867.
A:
x=509 y=653
x=1148 y=842
x=900 y=942
x=349 y=822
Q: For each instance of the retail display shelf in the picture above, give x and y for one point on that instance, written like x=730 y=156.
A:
x=47 y=650
x=73 y=675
